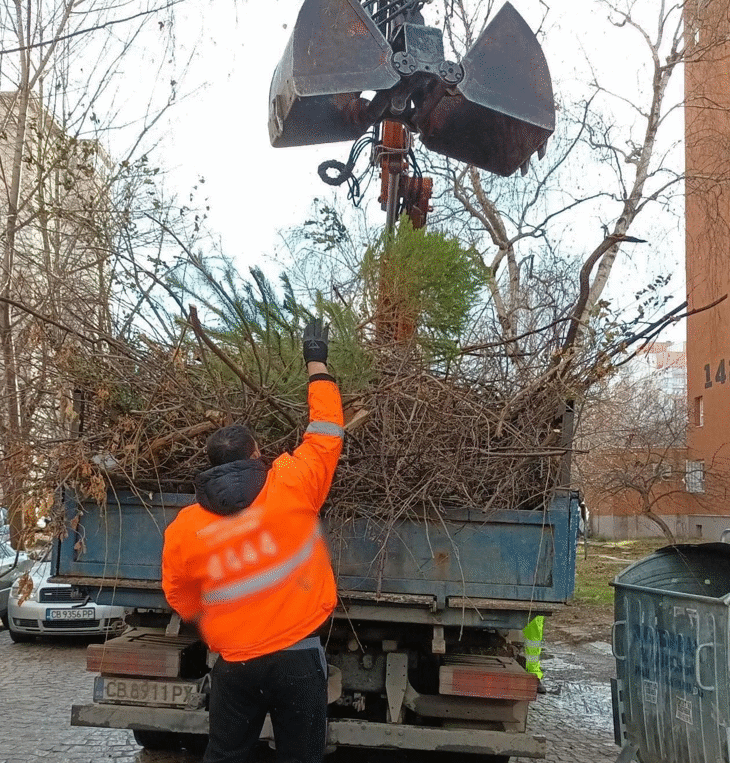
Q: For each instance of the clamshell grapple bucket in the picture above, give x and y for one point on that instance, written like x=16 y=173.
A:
x=335 y=53
x=340 y=75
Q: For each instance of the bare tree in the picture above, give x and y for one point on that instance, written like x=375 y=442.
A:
x=550 y=241
x=632 y=443
x=66 y=202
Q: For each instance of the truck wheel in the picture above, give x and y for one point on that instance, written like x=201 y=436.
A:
x=19 y=638
x=157 y=740
x=4 y=619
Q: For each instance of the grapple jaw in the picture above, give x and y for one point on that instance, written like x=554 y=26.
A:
x=492 y=110
x=503 y=109
x=334 y=53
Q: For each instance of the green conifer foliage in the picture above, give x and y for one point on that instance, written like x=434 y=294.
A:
x=432 y=280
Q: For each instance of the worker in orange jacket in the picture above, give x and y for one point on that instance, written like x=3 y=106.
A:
x=248 y=564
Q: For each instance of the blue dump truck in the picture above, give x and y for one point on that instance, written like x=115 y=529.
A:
x=420 y=649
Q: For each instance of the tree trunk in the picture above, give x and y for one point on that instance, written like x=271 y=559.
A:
x=649 y=514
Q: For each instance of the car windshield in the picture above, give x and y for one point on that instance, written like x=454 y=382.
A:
x=41 y=572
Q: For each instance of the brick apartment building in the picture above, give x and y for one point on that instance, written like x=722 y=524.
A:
x=651 y=458
x=707 y=151
x=695 y=487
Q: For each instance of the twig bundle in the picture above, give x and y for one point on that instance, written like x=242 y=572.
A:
x=417 y=441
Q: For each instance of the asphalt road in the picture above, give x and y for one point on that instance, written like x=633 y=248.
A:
x=40 y=681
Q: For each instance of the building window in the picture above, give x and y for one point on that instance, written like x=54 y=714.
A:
x=699 y=411
x=699 y=19
x=694 y=478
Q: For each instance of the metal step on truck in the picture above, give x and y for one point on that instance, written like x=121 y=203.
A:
x=420 y=649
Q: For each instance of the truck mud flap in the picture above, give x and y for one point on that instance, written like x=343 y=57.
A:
x=339 y=732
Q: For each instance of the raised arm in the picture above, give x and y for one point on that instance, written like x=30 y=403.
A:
x=315 y=460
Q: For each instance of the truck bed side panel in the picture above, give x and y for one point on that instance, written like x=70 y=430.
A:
x=516 y=555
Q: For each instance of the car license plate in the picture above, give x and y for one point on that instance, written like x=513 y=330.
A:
x=84 y=613
x=127 y=691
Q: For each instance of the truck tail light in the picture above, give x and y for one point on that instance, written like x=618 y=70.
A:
x=139 y=654
x=488 y=677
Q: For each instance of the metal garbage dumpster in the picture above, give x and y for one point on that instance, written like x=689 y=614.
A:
x=670 y=640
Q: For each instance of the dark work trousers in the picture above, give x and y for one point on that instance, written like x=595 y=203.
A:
x=290 y=685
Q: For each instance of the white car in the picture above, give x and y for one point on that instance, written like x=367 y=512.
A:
x=12 y=566
x=37 y=607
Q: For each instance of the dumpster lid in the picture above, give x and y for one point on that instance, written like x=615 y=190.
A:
x=701 y=569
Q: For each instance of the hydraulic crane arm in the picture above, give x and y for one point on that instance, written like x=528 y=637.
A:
x=340 y=75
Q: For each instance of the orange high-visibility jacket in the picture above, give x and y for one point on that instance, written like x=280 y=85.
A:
x=260 y=580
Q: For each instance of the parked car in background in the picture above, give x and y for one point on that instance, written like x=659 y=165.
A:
x=37 y=607
x=12 y=565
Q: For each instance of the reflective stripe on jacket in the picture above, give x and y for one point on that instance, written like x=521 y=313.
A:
x=261 y=580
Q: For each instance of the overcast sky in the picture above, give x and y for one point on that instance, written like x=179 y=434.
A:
x=221 y=132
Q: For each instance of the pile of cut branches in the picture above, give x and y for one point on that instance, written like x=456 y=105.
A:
x=431 y=443
x=433 y=425
x=418 y=440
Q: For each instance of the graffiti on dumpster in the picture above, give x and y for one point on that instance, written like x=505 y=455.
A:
x=667 y=658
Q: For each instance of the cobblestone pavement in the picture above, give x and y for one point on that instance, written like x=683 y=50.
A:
x=576 y=715
x=40 y=681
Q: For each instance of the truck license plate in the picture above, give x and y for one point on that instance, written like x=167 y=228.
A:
x=85 y=613
x=128 y=691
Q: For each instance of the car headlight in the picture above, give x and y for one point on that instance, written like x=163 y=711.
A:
x=25 y=588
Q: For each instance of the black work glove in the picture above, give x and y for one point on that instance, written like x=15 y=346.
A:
x=315 y=341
